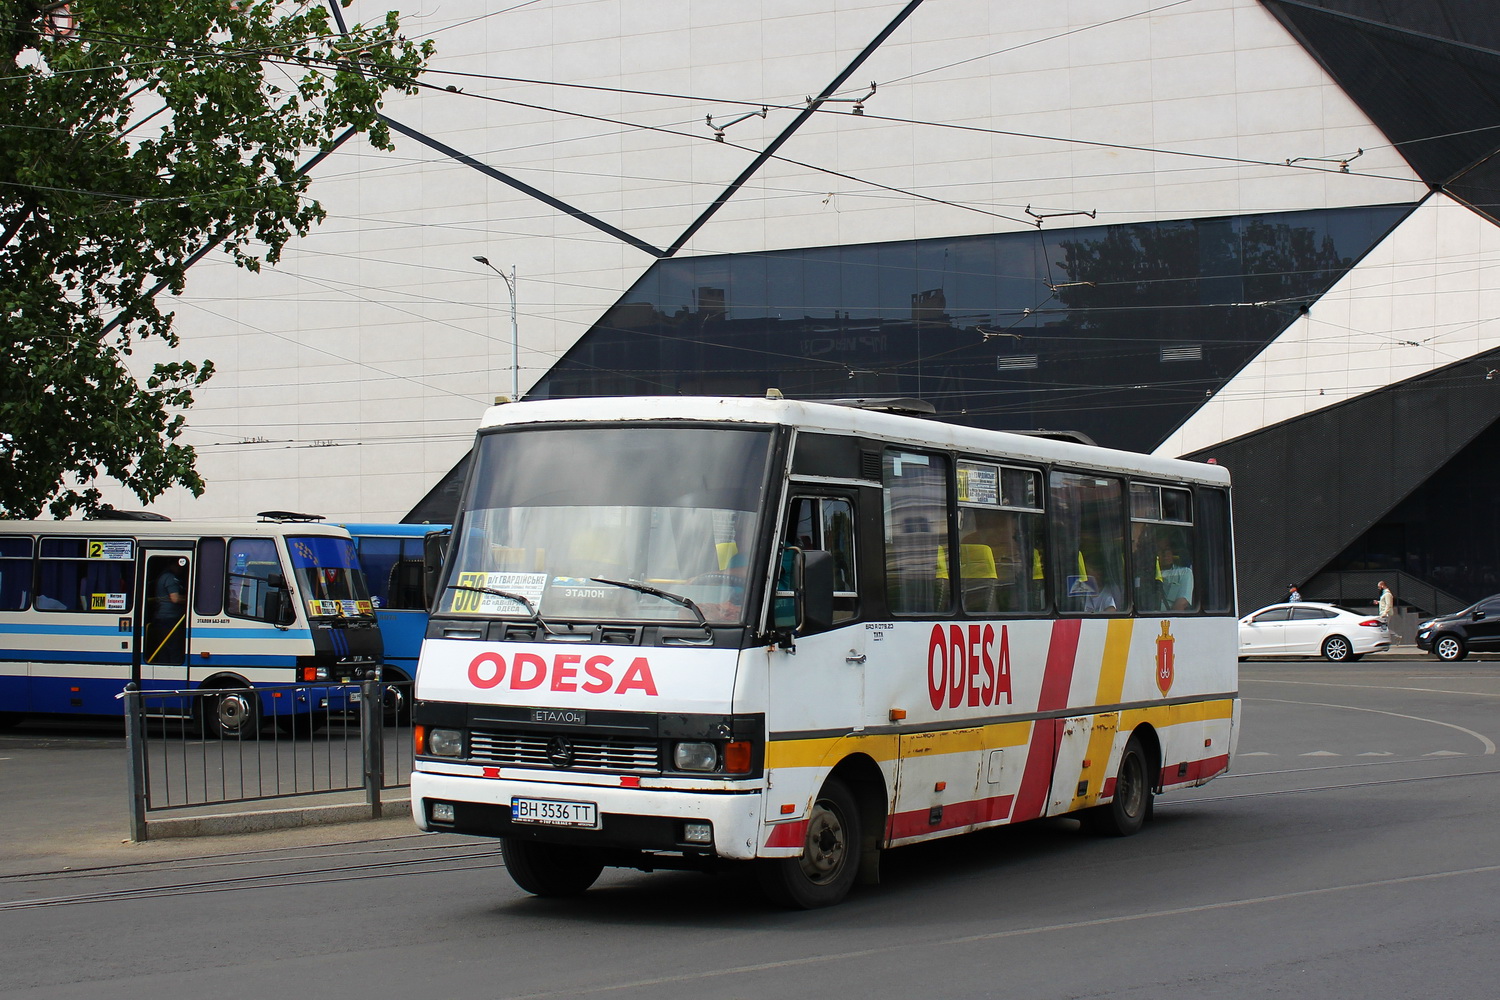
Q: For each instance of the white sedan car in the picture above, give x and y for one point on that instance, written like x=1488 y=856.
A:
x=1309 y=629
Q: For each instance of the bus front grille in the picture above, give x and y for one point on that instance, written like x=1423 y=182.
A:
x=576 y=753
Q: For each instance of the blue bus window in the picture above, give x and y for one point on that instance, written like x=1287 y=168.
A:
x=208 y=598
x=15 y=573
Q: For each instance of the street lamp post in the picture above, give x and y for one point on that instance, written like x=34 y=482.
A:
x=515 y=336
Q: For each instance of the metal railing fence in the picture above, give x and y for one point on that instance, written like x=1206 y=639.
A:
x=222 y=746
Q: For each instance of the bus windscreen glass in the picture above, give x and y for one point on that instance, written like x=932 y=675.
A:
x=329 y=576
x=551 y=511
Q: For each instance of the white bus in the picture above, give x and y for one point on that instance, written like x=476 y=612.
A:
x=678 y=632
x=87 y=606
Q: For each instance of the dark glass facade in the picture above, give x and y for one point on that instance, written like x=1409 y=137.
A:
x=1446 y=532
x=1120 y=332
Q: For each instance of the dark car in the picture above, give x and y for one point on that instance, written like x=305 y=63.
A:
x=1450 y=637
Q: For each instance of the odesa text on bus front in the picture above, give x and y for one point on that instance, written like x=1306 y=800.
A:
x=89 y=606
x=688 y=632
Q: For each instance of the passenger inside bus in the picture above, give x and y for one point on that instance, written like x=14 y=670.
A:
x=165 y=637
x=1176 y=578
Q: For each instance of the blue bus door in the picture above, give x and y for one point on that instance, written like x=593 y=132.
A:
x=166 y=590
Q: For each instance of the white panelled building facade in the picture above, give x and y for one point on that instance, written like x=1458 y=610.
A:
x=1261 y=232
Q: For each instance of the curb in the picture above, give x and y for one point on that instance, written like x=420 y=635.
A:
x=261 y=820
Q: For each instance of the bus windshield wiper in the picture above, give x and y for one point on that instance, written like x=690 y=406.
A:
x=525 y=602
x=666 y=595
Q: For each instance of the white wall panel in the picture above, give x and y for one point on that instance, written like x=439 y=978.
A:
x=380 y=332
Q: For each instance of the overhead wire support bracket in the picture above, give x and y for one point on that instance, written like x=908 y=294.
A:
x=1342 y=161
x=991 y=334
x=1092 y=213
x=858 y=102
x=719 y=129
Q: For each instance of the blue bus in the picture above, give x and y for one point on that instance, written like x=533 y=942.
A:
x=87 y=606
x=391 y=555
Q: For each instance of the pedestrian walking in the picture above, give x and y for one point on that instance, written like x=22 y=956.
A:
x=1387 y=611
x=1293 y=595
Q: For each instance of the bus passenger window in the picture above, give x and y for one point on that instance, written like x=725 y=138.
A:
x=1001 y=530
x=1162 y=548
x=1088 y=543
x=15 y=573
x=916 y=532
x=208 y=594
x=1213 y=578
x=80 y=574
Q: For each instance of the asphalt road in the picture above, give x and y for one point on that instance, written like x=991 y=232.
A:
x=1355 y=852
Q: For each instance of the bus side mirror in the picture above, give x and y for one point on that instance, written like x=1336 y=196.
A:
x=434 y=550
x=804 y=594
x=278 y=608
x=816 y=592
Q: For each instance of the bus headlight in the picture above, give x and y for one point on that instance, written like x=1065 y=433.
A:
x=695 y=756
x=445 y=742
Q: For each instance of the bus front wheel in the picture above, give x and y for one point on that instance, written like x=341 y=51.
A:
x=229 y=715
x=550 y=869
x=1127 y=812
x=829 y=863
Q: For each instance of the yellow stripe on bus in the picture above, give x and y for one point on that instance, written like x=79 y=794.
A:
x=1105 y=725
x=887 y=746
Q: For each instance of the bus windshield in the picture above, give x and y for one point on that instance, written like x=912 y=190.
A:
x=329 y=577
x=554 y=515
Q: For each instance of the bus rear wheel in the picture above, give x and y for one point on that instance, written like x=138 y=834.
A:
x=824 y=873
x=1127 y=812
x=550 y=869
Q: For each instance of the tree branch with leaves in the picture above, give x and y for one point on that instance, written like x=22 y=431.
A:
x=134 y=136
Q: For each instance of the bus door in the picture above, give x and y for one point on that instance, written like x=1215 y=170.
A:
x=163 y=623
x=825 y=521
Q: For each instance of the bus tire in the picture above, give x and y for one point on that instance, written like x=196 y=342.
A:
x=824 y=873
x=550 y=869
x=395 y=701
x=1126 y=813
x=229 y=715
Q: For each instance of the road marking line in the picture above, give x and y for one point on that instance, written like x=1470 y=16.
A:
x=1489 y=744
x=1370 y=687
x=1178 y=911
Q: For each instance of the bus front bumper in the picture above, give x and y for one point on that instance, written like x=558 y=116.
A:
x=630 y=819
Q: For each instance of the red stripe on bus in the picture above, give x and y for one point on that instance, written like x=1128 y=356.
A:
x=788 y=834
x=1046 y=734
x=1197 y=770
x=955 y=815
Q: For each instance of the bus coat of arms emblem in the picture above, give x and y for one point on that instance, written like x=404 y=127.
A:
x=1166 y=657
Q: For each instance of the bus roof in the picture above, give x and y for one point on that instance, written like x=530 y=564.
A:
x=391 y=529
x=853 y=420
x=171 y=529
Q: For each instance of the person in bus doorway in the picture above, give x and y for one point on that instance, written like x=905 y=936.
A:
x=167 y=636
